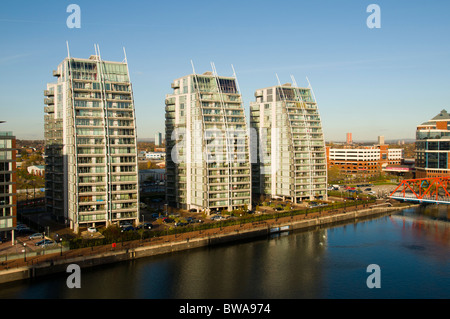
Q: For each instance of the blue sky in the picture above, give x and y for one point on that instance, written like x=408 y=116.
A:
x=367 y=81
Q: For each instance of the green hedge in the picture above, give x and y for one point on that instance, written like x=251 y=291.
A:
x=113 y=234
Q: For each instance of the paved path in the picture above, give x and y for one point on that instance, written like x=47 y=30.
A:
x=66 y=255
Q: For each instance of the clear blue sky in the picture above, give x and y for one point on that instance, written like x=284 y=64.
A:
x=367 y=81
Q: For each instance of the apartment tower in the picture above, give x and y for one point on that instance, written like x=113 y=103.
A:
x=207 y=150
x=291 y=161
x=8 y=199
x=91 y=152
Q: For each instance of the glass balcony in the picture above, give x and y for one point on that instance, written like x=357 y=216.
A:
x=49 y=101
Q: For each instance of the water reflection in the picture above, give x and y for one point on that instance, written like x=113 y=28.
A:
x=412 y=249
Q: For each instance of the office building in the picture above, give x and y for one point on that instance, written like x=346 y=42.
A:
x=287 y=131
x=207 y=150
x=91 y=153
x=8 y=199
x=365 y=161
x=433 y=147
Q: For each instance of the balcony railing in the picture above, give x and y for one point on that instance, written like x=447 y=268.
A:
x=49 y=101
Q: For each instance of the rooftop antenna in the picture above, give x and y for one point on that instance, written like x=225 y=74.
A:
x=312 y=91
x=293 y=81
x=279 y=83
x=193 y=69
x=99 y=54
x=213 y=66
x=96 y=53
x=235 y=77
x=125 y=55
x=68 y=52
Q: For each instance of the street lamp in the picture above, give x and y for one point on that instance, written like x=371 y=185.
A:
x=24 y=252
x=60 y=241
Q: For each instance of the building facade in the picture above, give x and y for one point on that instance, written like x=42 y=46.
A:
x=207 y=147
x=91 y=152
x=158 y=139
x=364 y=161
x=433 y=147
x=287 y=133
x=8 y=199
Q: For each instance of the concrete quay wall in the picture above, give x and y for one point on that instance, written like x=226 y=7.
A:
x=113 y=256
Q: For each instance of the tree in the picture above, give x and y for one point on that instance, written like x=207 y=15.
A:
x=334 y=174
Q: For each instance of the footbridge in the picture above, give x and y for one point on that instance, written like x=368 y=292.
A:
x=433 y=190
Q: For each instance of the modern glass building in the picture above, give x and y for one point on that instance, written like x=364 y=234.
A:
x=433 y=147
x=291 y=161
x=207 y=146
x=91 y=152
x=8 y=199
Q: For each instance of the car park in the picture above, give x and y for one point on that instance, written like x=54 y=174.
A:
x=36 y=236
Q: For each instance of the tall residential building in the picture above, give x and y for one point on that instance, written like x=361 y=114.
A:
x=91 y=153
x=291 y=162
x=433 y=147
x=158 y=139
x=207 y=150
x=8 y=199
x=349 y=138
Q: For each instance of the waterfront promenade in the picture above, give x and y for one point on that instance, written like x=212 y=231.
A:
x=18 y=269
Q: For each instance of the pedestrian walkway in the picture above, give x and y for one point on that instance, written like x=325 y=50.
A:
x=174 y=238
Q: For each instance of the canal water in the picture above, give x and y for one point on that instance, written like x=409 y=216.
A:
x=411 y=248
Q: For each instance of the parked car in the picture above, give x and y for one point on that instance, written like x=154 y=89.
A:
x=167 y=220
x=189 y=219
x=128 y=228
x=92 y=229
x=180 y=224
x=368 y=189
x=145 y=226
x=36 y=236
x=45 y=242
x=155 y=215
x=22 y=228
